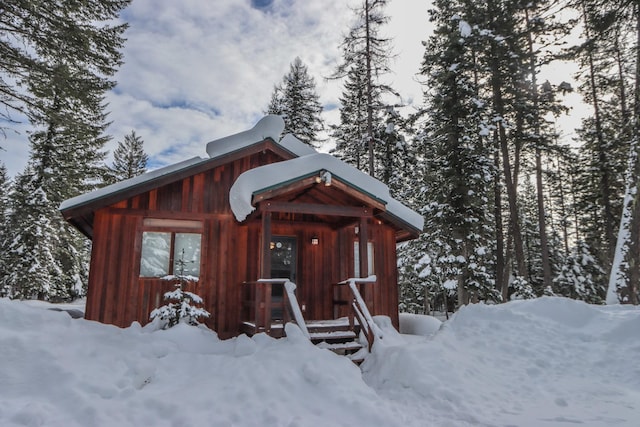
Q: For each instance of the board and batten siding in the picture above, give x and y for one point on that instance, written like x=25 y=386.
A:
x=230 y=254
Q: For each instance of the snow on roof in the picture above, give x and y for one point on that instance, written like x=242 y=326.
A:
x=259 y=179
x=127 y=183
x=270 y=126
x=308 y=162
x=411 y=217
x=297 y=147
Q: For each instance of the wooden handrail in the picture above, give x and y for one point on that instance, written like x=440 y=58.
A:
x=361 y=311
x=263 y=304
x=290 y=287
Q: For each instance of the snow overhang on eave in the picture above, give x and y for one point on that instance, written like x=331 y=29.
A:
x=264 y=178
x=127 y=185
x=255 y=182
x=269 y=127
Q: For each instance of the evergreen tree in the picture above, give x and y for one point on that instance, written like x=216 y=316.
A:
x=33 y=33
x=182 y=305
x=456 y=154
x=398 y=162
x=541 y=100
x=581 y=277
x=67 y=159
x=66 y=81
x=351 y=133
x=129 y=159
x=67 y=145
x=611 y=84
x=29 y=250
x=297 y=101
x=365 y=57
x=5 y=190
x=605 y=134
x=503 y=59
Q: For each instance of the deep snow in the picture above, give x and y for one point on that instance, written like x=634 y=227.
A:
x=545 y=362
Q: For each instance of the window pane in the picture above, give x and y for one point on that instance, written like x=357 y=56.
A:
x=154 y=261
x=356 y=258
x=188 y=250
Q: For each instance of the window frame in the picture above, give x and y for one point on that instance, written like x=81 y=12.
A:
x=172 y=227
x=371 y=258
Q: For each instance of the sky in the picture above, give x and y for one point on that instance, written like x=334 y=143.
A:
x=198 y=70
x=548 y=362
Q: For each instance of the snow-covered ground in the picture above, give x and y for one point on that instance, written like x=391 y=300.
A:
x=545 y=362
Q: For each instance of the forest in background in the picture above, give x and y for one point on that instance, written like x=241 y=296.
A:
x=510 y=210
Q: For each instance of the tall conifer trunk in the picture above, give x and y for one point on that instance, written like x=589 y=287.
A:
x=498 y=104
x=542 y=224
x=502 y=284
x=605 y=186
x=634 y=244
x=369 y=94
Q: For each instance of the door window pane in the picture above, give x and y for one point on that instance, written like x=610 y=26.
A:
x=187 y=250
x=156 y=248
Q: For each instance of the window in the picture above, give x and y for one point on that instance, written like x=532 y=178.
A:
x=175 y=251
x=356 y=258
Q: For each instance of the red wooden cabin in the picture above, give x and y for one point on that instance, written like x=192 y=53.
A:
x=292 y=213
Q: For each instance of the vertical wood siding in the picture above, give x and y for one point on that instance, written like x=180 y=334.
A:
x=230 y=254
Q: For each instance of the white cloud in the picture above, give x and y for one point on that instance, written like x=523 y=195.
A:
x=197 y=70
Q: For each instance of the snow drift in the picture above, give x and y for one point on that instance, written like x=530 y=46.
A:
x=547 y=362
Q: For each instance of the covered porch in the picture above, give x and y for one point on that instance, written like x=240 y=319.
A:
x=329 y=229
x=314 y=234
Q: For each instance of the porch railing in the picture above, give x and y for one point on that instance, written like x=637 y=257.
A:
x=360 y=310
x=262 y=305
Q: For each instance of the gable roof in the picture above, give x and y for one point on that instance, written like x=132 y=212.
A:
x=303 y=161
x=79 y=210
x=137 y=181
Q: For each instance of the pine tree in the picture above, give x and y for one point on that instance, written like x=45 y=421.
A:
x=297 y=101
x=66 y=80
x=581 y=277
x=129 y=159
x=605 y=134
x=351 y=133
x=611 y=84
x=182 y=305
x=33 y=33
x=5 y=190
x=541 y=32
x=365 y=57
x=67 y=159
x=67 y=145
x=31 y=243
x=457 y=156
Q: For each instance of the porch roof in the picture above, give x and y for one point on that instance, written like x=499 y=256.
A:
x=304 y=172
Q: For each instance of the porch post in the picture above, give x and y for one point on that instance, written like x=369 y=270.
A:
x=265 y=268
x=265 y=273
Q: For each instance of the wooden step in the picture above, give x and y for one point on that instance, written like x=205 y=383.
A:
x=348 y=349
x=332 y=337
x=350 y=346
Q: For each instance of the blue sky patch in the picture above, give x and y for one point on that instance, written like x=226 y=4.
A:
x=261 y=4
